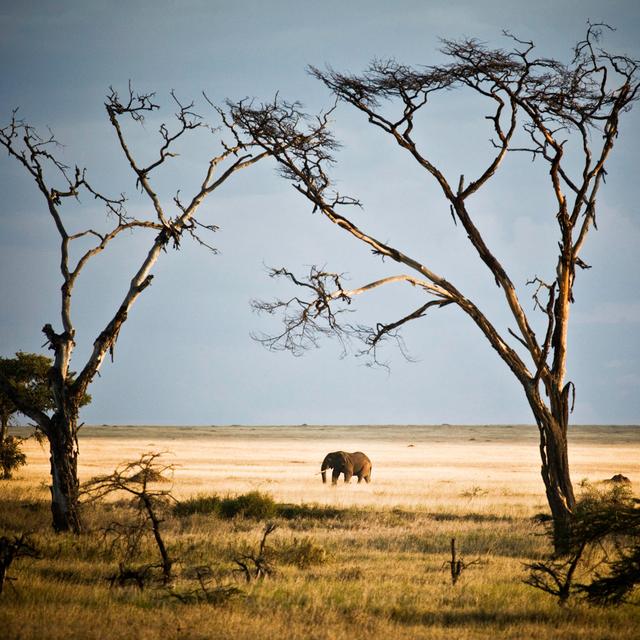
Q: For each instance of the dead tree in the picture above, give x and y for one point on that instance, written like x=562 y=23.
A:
x=556 y=577
x=10 y=550
x=256 y=565
x=167 y=225
x=136 y=478
x=215 y=594
x=457 y=565
x=555 y=112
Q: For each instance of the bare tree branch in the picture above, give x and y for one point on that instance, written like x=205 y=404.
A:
x=58 y=183
x=305 y=162
x=561 y=110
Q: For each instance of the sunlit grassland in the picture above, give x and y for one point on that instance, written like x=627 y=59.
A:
x=386 y=543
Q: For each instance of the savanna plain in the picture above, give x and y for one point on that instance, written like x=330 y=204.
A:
x=351 y=561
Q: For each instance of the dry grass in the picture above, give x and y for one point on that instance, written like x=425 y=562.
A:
x=384 y=544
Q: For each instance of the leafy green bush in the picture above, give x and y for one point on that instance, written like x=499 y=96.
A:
x=11 y=456
x=203 y=504
x=256 y=505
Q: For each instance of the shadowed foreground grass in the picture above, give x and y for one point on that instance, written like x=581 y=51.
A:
x=340 y=573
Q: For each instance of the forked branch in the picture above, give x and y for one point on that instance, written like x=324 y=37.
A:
x=544 y=99
x=306 y=165
x=306 y=318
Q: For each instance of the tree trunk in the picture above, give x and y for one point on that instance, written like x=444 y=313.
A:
x=155 y=525
x=63 y=442
x=5 y=471
x=557 y=482
x=554 y=455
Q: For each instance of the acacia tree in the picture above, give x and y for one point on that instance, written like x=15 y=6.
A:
x=28 y=376
x=134 y=479
x=27 y=373
x=168 y=223
x=554 y=111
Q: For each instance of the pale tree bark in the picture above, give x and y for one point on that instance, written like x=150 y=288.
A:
x=168 y=225
x=549 y=105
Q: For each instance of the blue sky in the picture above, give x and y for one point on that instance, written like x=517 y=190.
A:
x=185 y=356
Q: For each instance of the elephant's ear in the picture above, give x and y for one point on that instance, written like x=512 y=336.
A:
x=347 y=462
x=330 y=460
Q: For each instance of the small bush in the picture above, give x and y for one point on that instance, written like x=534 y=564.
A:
x=257 y=565
x=606 y=521
x=11 y=456
x=202 y=504
x=256 y=505
x=302 y=553
x=474 y=492
x=12 y=549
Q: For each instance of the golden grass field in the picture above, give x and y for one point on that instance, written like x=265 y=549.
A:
x=384 y=544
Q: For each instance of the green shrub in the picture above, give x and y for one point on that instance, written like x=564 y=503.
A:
x=203 y=504
x=11 y=456
x=256 y=505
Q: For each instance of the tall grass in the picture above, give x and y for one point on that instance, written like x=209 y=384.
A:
x=379 y=571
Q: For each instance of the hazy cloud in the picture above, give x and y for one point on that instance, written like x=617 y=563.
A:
x=184 y=355
x=610 y=313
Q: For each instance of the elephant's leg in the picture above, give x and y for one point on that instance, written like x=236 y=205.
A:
x=347 y=476
x=367 y=479
x=334 y=476
x=359 y=478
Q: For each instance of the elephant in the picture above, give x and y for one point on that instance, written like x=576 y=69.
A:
x=351 y=464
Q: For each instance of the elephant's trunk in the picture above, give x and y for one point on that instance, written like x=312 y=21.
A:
x=323 y=469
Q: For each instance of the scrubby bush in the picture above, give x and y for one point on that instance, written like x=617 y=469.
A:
x=12 y=549
x=302 y=553
x=208 y=590
x=258 y=564
x=202 y=504
x=135 y=479
x=11 y=456
x=604 y=549
x=255 y=505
